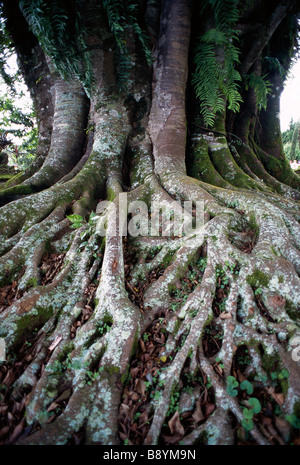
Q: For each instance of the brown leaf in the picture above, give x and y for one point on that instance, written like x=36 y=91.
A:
x=124 y=409
x=142 y=345
x=279 y=398
x=123 y=436
x=283 y=426
x=198 y=414
x=175 y=425
x=9 y=378
x=134 y=372
x=172 y=439
x=3 y=409
x=17 y=431
x=135 y=397
x=16 y=407
x=209 y=408
x=52 y=406
x=64 y=395
x=140 y=386
x=143 y=417
x=4 y=431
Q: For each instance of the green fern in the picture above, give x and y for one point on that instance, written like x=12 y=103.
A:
x=122 y=19
x=61 y=35
x=273 y=64
x=215 y=78
x=262 y=88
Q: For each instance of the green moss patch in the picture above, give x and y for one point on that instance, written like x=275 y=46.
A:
x=257 y=279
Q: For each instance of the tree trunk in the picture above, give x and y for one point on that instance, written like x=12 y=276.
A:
x=118 y=333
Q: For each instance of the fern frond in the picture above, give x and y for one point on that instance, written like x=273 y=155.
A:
x=215 y=78
x=62 y=34
x=122 y=18
x=61 y=37
x=262 y=88
x=273 y=64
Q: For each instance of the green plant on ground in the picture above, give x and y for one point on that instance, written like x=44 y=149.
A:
x=252 y=405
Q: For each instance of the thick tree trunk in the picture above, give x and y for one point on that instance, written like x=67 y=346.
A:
x=150 y=339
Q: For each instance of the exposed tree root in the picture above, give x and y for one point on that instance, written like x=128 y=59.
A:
x=152 y=339
x=242 y=299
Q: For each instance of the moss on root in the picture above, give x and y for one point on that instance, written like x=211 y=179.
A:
x=201 y=166
x=258 y=278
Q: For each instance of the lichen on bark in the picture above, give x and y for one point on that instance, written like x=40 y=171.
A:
x=150 y=339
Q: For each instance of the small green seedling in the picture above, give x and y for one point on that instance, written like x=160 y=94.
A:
x=232 y=384
x=248 y=413
x=247 y=386
x=76 y=220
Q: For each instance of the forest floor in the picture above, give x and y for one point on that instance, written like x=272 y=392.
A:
x=149 y=360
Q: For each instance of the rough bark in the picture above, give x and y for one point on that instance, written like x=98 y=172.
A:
x=113 y=339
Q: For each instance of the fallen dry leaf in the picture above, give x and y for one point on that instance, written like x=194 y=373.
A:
x=198 y=414
x=209 y=408
x=17 y=431
x=140 y=386
x=175 y=425
x=279 y=398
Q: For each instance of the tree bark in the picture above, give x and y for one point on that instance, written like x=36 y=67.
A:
x=147 y=339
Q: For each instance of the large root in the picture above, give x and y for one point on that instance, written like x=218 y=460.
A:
x=213 y=299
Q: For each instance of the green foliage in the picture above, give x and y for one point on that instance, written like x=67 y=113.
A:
x=76 y=220
x=247 y=386
x=122 y=19
x=257 y=279
x=17 y=120
x=262 y=88
x=295 y=141
x=60 y=32
x=58 y=367
x=273 y=64
x=251 y=406
x=18 y=125
x=201 y=264
x=93 y=375
x=232 y=384
x=291 y=141
x=293 y=420
x=103 y=327
x=248 y=413
x=174 y=401
x=87 y=235
x=216 y=55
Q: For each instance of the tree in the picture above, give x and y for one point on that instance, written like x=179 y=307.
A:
x=185 y=337
x=290 y=141
x=295 y=142
x=17 y=122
